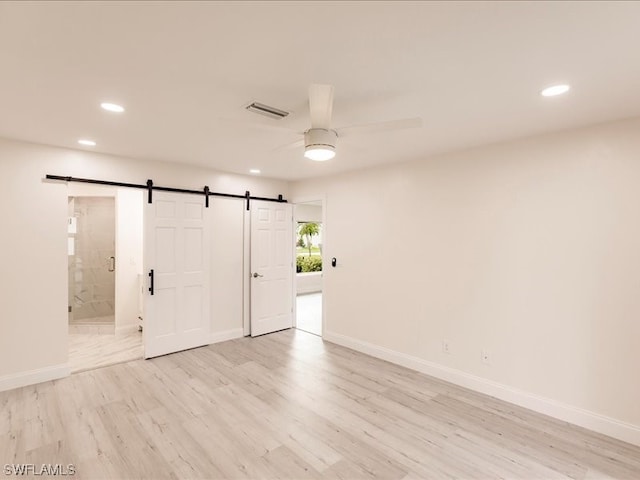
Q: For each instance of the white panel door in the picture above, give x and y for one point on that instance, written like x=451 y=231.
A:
x=271 y=267
x=176 y=249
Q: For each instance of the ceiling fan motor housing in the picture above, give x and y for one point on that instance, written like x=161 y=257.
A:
x=320 y=137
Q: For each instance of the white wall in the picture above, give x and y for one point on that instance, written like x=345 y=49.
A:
x=308 y=282
x=129 y=257
x=33 y=279
x=528 y=249
x=227 y=267
x=308 y=212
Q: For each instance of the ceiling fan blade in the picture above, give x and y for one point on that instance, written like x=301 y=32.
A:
x=242 y=123
x=320 y=105
x=290 y=146
x=380 y=127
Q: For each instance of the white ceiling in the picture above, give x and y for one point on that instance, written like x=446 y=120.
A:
x=184 y=71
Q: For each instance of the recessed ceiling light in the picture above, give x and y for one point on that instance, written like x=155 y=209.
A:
x=555 y=90
x=254 y=170
x=112 y=107
x=87 y=143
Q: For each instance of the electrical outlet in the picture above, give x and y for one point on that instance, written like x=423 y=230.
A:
x=445 y=346
x=485 y=356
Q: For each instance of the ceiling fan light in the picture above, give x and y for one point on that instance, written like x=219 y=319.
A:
x=320 y=144
x=319 y=153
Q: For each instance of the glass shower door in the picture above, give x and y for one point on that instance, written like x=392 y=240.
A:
x=91 y=248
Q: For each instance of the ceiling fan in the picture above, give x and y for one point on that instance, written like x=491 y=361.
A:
x=321 y=139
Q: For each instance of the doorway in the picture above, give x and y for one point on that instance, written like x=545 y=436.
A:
x=271 y=278
x=309 y=266
x=104 y=270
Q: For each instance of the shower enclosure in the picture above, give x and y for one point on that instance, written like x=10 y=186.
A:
x=91 y=249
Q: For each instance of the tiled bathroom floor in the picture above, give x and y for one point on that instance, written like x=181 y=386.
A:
x=106 y=320
x=92 y=350
x=107 y=329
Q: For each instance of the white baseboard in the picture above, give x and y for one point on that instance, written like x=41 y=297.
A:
x=16 y=380
x=593 y=421
x=225 y=335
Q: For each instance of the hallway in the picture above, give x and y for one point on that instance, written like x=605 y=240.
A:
x=309 y=313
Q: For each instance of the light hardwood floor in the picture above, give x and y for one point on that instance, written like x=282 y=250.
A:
x=288 y=405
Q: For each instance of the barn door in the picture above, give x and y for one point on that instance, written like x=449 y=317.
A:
x=176 y=259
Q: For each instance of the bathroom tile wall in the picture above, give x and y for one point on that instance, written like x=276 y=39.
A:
x=92 y=285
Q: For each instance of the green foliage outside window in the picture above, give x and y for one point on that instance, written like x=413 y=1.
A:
x=309 y=264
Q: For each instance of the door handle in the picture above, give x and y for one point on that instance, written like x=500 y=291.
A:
x=151 y=282
x=256 y=275
x=112 y=265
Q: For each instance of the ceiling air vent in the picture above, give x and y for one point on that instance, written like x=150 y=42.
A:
x=266 y=110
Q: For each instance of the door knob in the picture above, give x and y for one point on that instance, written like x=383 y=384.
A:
x=256 y=275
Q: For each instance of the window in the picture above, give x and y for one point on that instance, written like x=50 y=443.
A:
x=309 y=247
